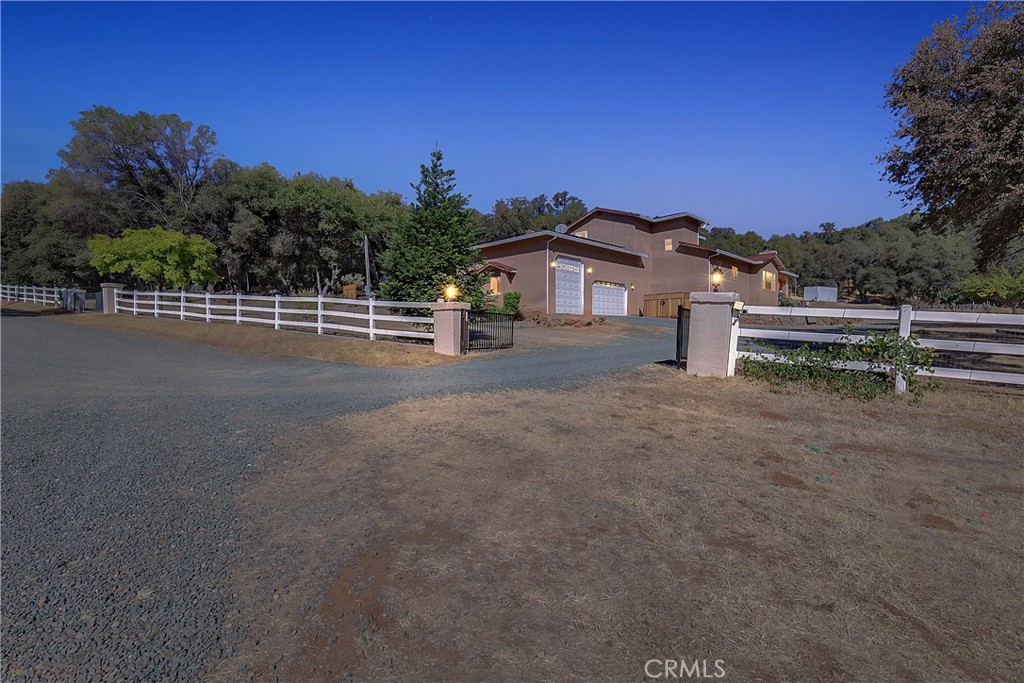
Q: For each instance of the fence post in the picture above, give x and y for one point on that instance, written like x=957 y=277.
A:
x=448 y=327
x=135 y=302
x=207 y=307
x=906 y=316
x=156 y=304
x=238 y=308
x=319 y=314
x=109 y=290
x=277 y=311
x=713 y=334
x=373 y=326
x=181 y=312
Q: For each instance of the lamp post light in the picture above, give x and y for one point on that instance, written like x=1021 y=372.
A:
x=716 y=278
x=451 y=293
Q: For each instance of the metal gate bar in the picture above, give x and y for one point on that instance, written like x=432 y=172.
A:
x=489 y=331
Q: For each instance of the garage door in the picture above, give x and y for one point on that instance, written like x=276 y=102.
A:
x=609 y=298
x=568 y=286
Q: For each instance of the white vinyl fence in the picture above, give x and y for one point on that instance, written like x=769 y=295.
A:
x=375 y=319
x=1002 y=326
x=36 y=295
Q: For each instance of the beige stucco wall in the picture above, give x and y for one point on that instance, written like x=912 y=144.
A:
x=531 y=262
x=659 y=272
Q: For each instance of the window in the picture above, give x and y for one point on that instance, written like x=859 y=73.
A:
x=496 y=284
x=581 y=233
x=668 y=244
x=768 y=279
x=734 y=273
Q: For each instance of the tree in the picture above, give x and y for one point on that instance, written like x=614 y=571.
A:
x=518 y=215
x=999 y=286
x=152 y=164
x=959 y=139
x=435 y=247
x=157 y=256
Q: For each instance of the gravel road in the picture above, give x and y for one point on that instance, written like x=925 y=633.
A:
x=121 y=456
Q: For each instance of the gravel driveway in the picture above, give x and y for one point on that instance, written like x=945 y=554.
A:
x=121 y=458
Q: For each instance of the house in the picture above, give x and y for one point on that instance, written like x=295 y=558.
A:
x=612 y=262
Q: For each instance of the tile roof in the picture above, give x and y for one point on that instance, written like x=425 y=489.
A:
x=497 y=265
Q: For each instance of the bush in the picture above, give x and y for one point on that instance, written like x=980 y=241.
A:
x=511 y=304
x=886 y=353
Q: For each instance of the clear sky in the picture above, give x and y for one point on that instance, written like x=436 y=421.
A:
x=763 y=116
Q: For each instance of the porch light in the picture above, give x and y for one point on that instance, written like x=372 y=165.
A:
x=553 y=263
x=451 y=292
x=716 y=278
x=590 y=270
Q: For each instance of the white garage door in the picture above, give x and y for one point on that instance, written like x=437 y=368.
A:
x=609 y=298
x=568 y=286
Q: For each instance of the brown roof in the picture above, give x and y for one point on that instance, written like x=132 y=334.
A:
x=765 y=256
x=631 y=214
x=497 y=265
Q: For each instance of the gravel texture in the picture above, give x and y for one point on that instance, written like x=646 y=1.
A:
x=121 y=457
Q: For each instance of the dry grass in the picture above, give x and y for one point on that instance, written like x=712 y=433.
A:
x=554 y=535
x=266 y=341
x=28 y=308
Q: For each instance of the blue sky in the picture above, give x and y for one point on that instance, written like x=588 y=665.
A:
x=762 y=116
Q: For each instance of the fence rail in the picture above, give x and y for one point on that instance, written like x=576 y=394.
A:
x=37 y=295
x=905 y=317
x=375 y=319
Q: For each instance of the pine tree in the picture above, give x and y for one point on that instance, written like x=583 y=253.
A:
x=435 y=247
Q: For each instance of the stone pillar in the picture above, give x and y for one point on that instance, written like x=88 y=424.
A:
x=714 y=332
x=109 y=305
x=448 y=326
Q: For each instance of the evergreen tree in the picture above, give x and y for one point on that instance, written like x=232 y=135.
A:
x=435 y=247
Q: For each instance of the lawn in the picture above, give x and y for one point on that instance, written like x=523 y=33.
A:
x=578 y=534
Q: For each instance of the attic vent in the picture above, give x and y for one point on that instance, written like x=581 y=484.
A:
x=561 y=228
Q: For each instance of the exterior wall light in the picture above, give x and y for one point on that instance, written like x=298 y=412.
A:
x=590 y=270
x=451 y=292
x=553 y=264
x=716 y=278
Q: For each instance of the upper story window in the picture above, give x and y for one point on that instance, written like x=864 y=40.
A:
x=734 y=273
x=496 y=284
x=768 y=279
x=581 y=233
x=668 y=244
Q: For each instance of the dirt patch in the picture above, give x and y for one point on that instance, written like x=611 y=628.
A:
x=497 y=538
x=262 y=341
x=935 y=522
x=787 y=480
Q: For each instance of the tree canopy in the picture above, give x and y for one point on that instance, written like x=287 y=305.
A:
x=958 y=151
x=157 y=256
x=518 y=215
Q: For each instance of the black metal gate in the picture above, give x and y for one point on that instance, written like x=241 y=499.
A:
x=484 y=331
x=682 y=334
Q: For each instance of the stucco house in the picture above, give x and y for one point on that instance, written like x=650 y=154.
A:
x=612 y=262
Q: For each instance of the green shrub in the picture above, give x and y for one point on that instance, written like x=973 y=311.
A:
x=512 y=300
x=886 y=353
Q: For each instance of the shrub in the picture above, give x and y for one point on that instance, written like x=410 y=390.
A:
x=886 y=353
x=511 y=302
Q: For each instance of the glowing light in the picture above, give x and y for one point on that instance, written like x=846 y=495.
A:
x=451 y=292
x=716 y=277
